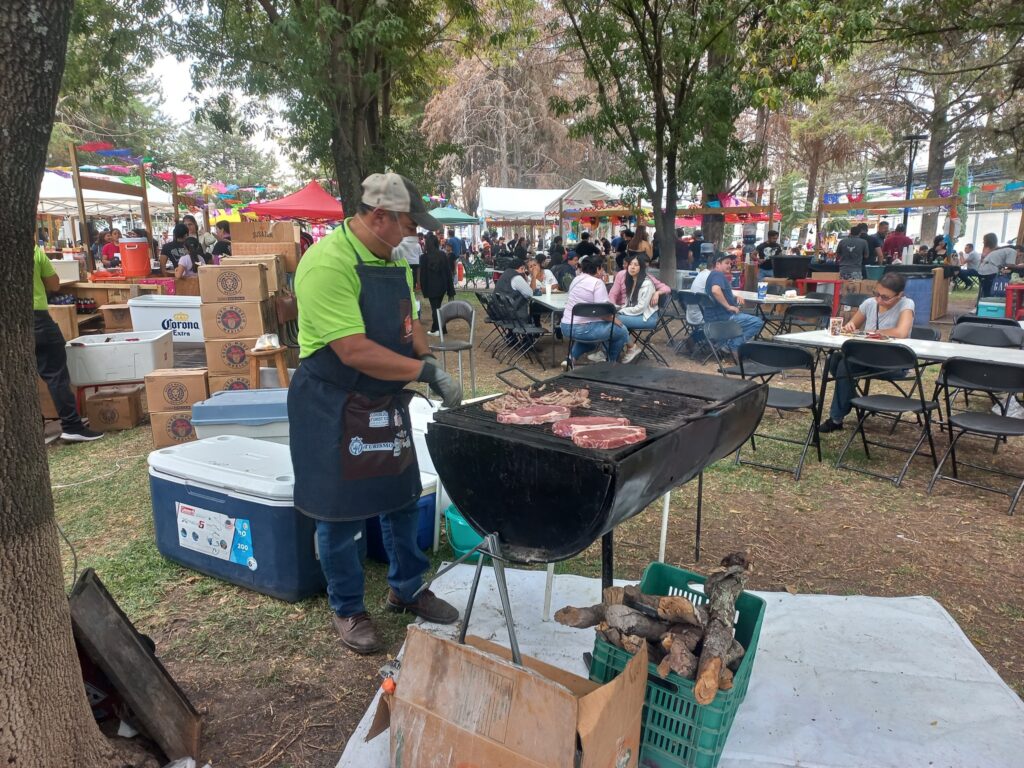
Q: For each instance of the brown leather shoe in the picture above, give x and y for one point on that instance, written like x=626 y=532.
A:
x=428 y=607
x=357 y=632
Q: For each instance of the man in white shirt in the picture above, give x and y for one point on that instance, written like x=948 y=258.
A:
x=694 y=316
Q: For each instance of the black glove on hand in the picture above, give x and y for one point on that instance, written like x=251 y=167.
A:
x=440 y=382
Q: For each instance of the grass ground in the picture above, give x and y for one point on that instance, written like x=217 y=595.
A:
x=278 y=690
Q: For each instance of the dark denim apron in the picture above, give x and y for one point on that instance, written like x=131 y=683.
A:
x=351 y=434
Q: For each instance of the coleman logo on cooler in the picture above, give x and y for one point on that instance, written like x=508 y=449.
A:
x=228 y=283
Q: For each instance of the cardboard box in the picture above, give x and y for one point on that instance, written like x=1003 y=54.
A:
x=264 y=232
x=45 y=401
x=247 y=319
x=229 y=383
x=176 y=389
x=66 y=318
x=172 y=428
x=228 y=356
x=275 y=272
x=245 y=282
x=289 y=252
x=116 y=317
x=472 y=705
x=113 y=408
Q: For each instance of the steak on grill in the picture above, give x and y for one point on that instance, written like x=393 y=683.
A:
x=571 y=426
x=605 y=438
x=534 y=414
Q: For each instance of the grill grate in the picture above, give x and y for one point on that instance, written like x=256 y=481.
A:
x=657 y=412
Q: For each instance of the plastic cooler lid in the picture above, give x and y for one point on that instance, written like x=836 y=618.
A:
x=232 y=463
x=156 y=300
x=244 y=406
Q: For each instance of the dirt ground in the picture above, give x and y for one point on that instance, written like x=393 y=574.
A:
x=277 y=689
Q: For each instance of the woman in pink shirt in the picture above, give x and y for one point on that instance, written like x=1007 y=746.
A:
x=590 y=332
x=636 y=293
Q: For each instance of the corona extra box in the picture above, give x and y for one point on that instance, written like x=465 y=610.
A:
x=238 y=319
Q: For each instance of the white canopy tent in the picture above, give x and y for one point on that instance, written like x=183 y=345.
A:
x=57 y=198
x=515 y=204
x=586 y=193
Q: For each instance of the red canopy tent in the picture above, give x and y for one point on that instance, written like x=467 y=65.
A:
x=311 y=203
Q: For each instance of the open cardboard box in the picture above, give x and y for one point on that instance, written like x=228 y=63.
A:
x=469 y=705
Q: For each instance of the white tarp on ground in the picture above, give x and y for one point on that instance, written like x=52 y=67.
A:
x=838 y=682
x=57 y=196
x=514 y=204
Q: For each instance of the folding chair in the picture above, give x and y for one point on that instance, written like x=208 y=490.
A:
x=996 y=380
x=457 y=310
x=645 y=338
x=719 y=334
x=496 y=311
x=806 y=317
x=853 y=300
x=601 y=310
x=702 y=302
x=674 y=311
x=773 y=321
x=900 y=380
x=878 y=359
x=525 y=334
x=983 y=335
x=783 y=357
x=1002 y=321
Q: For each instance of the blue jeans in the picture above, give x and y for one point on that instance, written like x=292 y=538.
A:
x=637 y=322
x=342 y=545
x=751 y=326
x=587 y=336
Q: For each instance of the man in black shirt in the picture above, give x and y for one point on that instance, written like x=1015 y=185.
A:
x=852 y=252
x=767 y=251
x=873 y=243
x=174 y=250
x=621 y=248
x=585 y=248
x=556 y=251
x=223 y=245
x=683 y=260
x=565 y=272
x=695 y=250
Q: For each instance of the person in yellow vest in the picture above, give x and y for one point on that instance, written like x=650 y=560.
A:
x=51 y=358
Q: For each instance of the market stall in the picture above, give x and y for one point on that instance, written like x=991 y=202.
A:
x=311 y=203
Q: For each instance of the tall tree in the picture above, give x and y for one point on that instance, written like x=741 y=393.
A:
x=45 y=718
x=341 y=69
x=222 y=152
x=673 y=77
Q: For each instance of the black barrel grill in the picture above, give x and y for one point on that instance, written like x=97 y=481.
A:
x=547 y=499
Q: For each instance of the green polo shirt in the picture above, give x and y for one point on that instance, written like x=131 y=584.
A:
x=327 y=288
x=41 y=268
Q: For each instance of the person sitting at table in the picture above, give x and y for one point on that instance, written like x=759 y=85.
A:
x=726 y=305
x=514 y=285
x=111 y=251
x=969 y=261
x=565 y=272
x=539 y=276
x=588 y=332
x=937 y=253
x=192 y=259
x=994 y=260
x=890 y=313
x=636 y=294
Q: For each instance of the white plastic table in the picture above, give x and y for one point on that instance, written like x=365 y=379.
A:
x=926 y=351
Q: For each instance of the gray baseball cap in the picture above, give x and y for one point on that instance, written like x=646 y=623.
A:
x=394 y=192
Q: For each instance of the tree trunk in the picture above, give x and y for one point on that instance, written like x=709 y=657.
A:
x=937 y=146
x=347 y=169
x=45 y=719
x=812 y=192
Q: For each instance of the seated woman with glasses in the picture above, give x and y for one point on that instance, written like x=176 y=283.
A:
x=889 y=313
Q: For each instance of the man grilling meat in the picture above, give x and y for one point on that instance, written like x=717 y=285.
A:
x=352 y=451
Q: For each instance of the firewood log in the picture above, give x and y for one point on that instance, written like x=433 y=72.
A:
x=725 y=680
x=612 y=596
x=632 y=622
x=689 y=634
x=722 y=588
x=633 y=643
x=580 y=618
x=609 y=635
x=679 y=659
x=675 y=608
x=734 y=655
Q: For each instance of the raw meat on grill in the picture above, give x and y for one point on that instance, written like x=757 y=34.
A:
x=534 y=414
x=604 y=438
x=569 y=427
x=520 y=398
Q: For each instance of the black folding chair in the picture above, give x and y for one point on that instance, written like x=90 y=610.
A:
x=806 y=317
x=853 y=300
x=674 y=311
x=900 y=380
x=599 y=310
x=773 y=321
x=783 y=357
x=719 y=333
x=645 y=337
x=998 y=381
x=875 y=359
x=981 y=335
x=702 y=302
x=1002 y=321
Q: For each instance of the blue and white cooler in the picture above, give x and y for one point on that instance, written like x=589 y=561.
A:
x=223 y=506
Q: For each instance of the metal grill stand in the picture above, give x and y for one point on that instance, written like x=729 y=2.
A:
x=491 y=547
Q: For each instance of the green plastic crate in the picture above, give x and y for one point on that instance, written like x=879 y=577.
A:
x=676 y=730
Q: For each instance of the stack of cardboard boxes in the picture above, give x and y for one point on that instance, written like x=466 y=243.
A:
x=263 y=238
x=170 y=395
x=236 y=310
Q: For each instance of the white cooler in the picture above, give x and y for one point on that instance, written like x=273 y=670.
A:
x=107 y=358
x=177 y=314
